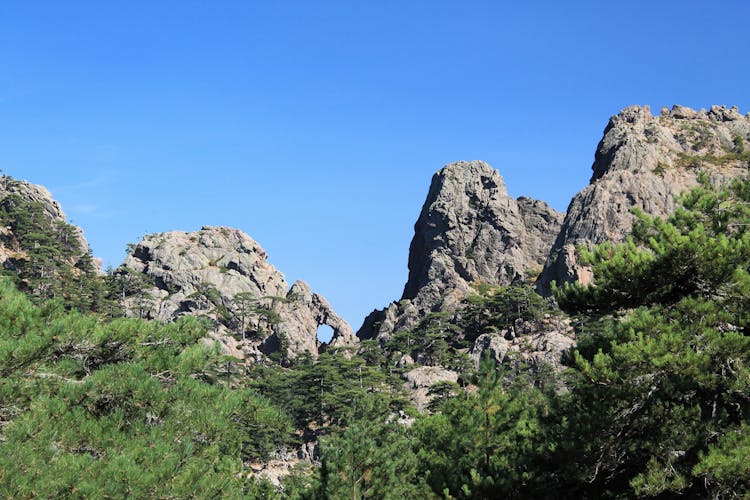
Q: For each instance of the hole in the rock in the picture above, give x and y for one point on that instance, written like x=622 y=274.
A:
x=325 y=333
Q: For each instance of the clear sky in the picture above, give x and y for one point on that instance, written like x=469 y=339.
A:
x=315 y=126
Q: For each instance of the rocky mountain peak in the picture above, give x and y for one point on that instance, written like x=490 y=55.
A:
x=644 y=161
x=40 y=249
x=224 y=257
x=469 y=230
x=32 y=193
x=40 y=197
x=223 y=273
x=461 y=194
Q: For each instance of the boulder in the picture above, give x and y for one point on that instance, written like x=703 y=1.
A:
x=419 y=381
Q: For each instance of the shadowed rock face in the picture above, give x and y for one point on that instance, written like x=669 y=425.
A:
x=469 y=230
x=645 y=161
x=182 y=266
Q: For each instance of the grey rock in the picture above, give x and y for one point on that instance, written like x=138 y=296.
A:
x=32 y=193
x=490 y=345
x=51 y=209
x=381 y=324
x=542 y=224
x=404 y=361
x=179 y=265
x=469 y=230
x=302 y=314
x=419 y=381
x=534 y=343
x=645 y=161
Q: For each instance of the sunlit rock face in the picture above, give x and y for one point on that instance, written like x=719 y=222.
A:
x=11 y=251
x=184 y=269
x=645 y=161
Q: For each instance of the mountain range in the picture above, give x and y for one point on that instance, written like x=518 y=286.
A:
x=470 y=233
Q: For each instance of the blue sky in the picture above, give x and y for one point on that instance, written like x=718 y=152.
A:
x=316 y=126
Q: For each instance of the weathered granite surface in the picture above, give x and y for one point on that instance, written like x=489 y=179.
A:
x=470 y=230
x=645 y=161
x=224 y=274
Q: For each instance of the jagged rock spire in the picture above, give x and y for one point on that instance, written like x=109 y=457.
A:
x=469 y=230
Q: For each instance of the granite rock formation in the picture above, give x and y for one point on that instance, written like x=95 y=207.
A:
x=470 y=230
x=535 y=343
x=418 y=382
x=32 y=193
x=209 y=272
x=50 y=209
x=645 y=161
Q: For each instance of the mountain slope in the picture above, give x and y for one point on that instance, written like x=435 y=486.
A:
x=44 y=255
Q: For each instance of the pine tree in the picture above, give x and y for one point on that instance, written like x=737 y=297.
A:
x=662 y=385
x=484 y=444
x=92 y=408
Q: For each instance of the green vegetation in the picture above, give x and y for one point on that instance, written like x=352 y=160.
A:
x=47 y=260
x=495 y=308
x=661 y=393
x=442 y=338
x=436 y=340
x=483 y=444
x=121 y=408
x=328 y=393
x=251 y=314
x=372 y=458
x=739 y=143
x=699 y=161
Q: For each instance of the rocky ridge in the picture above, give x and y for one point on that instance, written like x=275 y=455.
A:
x=469 y=230
x=645 y=161
x=224 y=274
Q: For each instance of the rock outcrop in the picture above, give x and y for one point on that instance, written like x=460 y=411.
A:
x=470 y=230
x=44 y=255
x=419 y=381
x=535 y=343
x=32 y=195
x=224 y=274
x=645 y=161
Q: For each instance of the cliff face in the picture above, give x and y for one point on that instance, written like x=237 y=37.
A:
x=645 y=161
x=470 y=230
x=224 y=274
